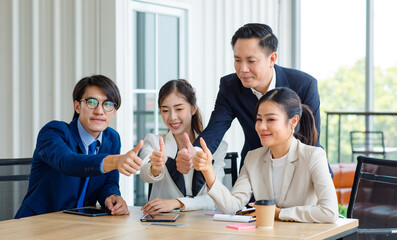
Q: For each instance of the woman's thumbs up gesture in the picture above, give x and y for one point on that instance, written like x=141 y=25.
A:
x=158 y=159
x=202 y=161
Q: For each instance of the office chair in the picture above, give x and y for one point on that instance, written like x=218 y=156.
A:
x=231 y=166
x=373 y=199
x=369 y=142
x=14 y=162
x=14 y=181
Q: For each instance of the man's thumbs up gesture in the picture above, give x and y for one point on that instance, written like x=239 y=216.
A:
x=184 y=160
x=127 y=164
x=158 y=159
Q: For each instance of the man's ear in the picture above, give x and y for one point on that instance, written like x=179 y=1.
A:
x=272 y=58
x=76 y=105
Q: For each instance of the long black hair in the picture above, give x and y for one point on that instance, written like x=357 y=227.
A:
x=290 y=102
x=184 y=88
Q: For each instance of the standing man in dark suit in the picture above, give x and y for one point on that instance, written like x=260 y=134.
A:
x=74 y=165
x=254 y=47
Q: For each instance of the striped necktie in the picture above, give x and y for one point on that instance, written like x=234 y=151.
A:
x=91 y=151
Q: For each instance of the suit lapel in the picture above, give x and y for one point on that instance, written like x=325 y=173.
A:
x=176 y=176
x=248 y=101
x=288 y=172
x=281 y=80
x=106 y=145
x=76 y=135
x=198 y=180
x=171 y=149
x=268 y=174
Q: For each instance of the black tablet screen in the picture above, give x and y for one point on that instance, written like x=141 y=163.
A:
x=88 y=211
x=160 y=217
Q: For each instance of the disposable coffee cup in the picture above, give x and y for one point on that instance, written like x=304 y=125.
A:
x=265 y=210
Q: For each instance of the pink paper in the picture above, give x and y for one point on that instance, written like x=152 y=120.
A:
x=241 y=226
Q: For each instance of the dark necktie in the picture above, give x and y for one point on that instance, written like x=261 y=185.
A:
x=91 y=151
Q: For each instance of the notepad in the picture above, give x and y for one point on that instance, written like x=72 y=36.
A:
x=241 y=226
x=233 y=218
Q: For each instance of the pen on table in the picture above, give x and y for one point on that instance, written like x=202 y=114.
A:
x=165 y=224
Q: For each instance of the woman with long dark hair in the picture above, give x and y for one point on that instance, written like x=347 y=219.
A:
x=288 y=168
x=172 y=189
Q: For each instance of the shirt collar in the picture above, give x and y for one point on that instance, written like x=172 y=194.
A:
x=86 y=138
x=272 y=85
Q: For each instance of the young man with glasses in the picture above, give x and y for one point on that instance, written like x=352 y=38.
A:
x=75 y=165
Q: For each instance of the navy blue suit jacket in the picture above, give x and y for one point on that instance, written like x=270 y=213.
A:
x=236 y=101
x=59 y=168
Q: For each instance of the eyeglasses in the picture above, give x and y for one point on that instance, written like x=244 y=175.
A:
x=93 y=103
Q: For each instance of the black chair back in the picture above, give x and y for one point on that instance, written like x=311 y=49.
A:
x=373 y=198
x=14 y=182
x=231 y=166
x=367 y=142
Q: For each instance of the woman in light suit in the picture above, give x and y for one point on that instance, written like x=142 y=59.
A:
x=172 y=189
x=288 y=168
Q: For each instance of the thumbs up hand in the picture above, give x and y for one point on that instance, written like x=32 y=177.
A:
x=130 y=163
x=202 y=161
x=127 y=164
x=158 y=159
x=184 y=159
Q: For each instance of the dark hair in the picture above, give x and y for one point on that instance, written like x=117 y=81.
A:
x=183 y=87
x=290 y=102
x=267 y=40
x=111 y=90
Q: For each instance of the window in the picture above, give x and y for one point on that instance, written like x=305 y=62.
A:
x=333 y=51
x=159 y=55
x=385 y=69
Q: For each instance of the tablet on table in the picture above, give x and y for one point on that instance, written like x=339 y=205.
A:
x=88 y=211
x=160 y=217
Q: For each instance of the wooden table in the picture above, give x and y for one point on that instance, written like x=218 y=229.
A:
x=199 y=226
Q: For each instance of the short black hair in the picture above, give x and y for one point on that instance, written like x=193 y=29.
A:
x=111 y=90
x=267 y=40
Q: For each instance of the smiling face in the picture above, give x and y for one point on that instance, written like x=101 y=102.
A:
x=273 y=126
x=95 y=120
x=177 y=114
x=253 y=67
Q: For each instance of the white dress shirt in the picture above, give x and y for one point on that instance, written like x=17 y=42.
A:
x=272 y=85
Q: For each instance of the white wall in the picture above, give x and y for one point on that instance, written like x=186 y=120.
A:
x=46 y=46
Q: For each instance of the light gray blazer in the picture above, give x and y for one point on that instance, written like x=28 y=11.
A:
x=163 y=185
x=307 y=193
